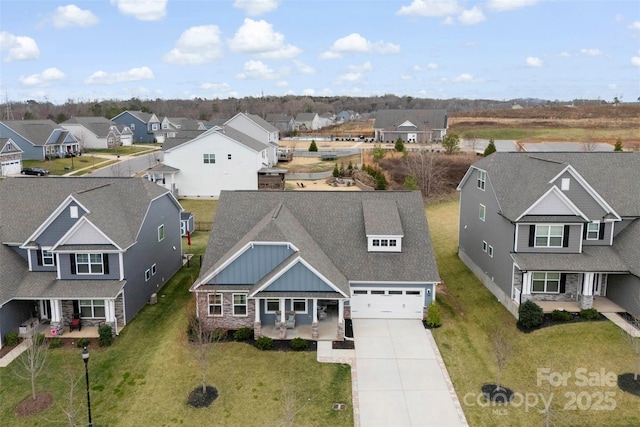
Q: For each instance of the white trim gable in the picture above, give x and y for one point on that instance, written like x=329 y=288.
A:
x=297 y=260
x=554 y=192
x=589 y=189
x=52 y=218
x=71 y=237
x=146 y=213
x=15 y=148
x=206 y=279
x=407 y=123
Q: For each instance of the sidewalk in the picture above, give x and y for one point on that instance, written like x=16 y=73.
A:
x=13 y=354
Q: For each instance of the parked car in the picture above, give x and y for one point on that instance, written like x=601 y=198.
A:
x=34 y=171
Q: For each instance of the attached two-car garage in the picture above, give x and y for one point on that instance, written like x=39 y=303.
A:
x=389 y=303
x=11 y=167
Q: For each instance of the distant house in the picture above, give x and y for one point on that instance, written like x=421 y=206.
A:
x=187 y=223
x=39 y=139
x=143 y=125
x=95 y=132
x=327 y=119
x=283 y=122
x=554 y=227
x=420 y=126
x=260 y=130
x=180 y=127
x=347 y=116
x=10 y=157
x=307 y=121
x=89 y=248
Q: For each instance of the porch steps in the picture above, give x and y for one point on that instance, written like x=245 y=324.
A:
x=623 y=324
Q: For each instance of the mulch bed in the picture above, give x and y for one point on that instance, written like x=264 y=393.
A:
x=198 y=399
x=498 y=395
x=628 y=384
x=548 y=321
x=343 y=345
x=29 y=406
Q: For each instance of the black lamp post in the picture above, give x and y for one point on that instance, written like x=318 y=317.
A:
x=85 y=357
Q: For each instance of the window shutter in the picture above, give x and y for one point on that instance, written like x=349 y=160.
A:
x=601 y=232
x=105 y=263
x=39 y=256
x=565 y=237
x=584 y=231
x=72 y=259
x=563 y=283
x=532 y=235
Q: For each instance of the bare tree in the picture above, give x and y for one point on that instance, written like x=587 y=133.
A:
x=201 y=338
x=69 y=406
x=502 y=346
x=633 y=339
x=427 y=170
x=292 y=405
x=32 y=361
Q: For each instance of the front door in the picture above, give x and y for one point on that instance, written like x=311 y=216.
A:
x=45 y=309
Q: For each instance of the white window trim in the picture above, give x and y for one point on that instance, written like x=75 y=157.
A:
x=485 y=245
x=266 y=305
x=73 y=211
x=89 y=264
x=482 y=212
x=209 y=159
x=481 y=180
x=234 y=305
x=549 y=236
x=48 y=258
x=597 y=231
x=546 y=281
x=293 y=301
x=213 y=304
x=161 y=228
x=93 y=307
x=153 y=270
x=490 y=251
x=147 y=275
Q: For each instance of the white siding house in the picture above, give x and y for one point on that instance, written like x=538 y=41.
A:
x=260 y=130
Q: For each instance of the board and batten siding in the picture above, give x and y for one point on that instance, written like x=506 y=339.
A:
x=299 y=279
x=581 y=198
x=59 y=226
x=253 y=264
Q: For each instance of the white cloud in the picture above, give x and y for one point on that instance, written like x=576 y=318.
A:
x=565 y=54
x=216 y=87
x=591 y=52
x=360 y=68
x=430 y=8
x=282 y=83
x=532 y=61
x=429 y=66
x=257 y=70
x=406 y=77
x=304 y=68
x=432 y=66
x=635 y=25
x=636 y=60
x=259 y=38
x=256 y=7
x=355 y=43
x=197 y=45
x=132 y=75
x=143 y=10
x=20 y=48
x=44 y=78
x=72 y=16
x=502 y=5
x=448 y=21
x=462 y=78
x=349 y=78
x=309 y=92
x=471 y=16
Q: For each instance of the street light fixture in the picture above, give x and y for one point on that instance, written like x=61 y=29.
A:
x=85 y=357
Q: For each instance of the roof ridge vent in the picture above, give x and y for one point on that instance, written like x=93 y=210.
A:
x=277 y=211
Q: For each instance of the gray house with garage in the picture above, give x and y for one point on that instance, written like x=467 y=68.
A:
x=412 y=126
x=559 y=227
x=93 y=249
x=285 y=259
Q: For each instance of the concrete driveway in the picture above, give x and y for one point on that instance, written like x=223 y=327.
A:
x=401 y=378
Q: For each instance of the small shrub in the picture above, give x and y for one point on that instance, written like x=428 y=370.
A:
x=589 y=313
x=530 y=315
x=105 y=334
x=264 y=343
x=12 y=339
x=219 y=334
x=82 y=342
x=561 y=315
x=313 y=147
x=55 y=343
x=38 y=339
x=243 y=334
x=298 y=344
x=433 y=316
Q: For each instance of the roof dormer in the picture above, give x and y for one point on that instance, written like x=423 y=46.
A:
x=382 y=225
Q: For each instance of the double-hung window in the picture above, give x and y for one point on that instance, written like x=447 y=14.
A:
x=545 y=282
x=300 y=305
x=209 y=158
x=48 y=258
x=92 y=308
x=549 y=236
x=215 y=304
x=593 y=230
x=239 y=304
x=89 y=264
x=273 y=305
x=482 y=179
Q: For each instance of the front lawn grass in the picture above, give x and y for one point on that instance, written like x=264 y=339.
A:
x=61 y=166
x=469 y=310
x=144 y=379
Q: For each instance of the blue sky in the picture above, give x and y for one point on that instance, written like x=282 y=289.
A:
x=494 y=49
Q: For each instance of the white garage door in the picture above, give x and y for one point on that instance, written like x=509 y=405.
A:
x=387 y=303
x=10 y=168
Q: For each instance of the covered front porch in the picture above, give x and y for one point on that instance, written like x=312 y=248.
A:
x=78 y=318
x=600 y=303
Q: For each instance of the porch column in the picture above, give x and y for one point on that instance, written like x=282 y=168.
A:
x=340 y=332
x=56 y=311
x=526 y=286
x=315 y=311
x=110 y=311
x=283 y=316
x=43 y=305
x=257 y=325
x=586 y=301
x=315 y=331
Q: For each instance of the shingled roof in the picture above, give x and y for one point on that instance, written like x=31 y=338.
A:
x=329 y=230
x=390 y=119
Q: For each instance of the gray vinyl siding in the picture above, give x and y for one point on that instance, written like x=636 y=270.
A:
x=428 y=299
x=606 y=237
x=497 y=231
x=22 y=252
x=299 y=279
x=33 y=254
x=59 y=226
x=624 y=290
x=166 y=255
x=575 y=237
x=12 y=314
x=65 y=269
x=30 y=151
x=140 y=133
x=581 y=198
x=253 y=265
x=619 y=226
